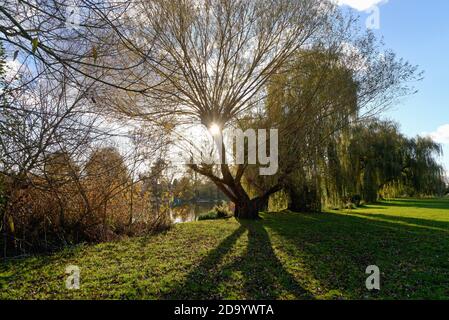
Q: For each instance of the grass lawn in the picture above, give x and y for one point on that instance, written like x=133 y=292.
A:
x=282 y=256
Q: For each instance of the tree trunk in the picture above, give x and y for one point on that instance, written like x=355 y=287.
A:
x=303 y=199
x=245 y=208
x=249 y=209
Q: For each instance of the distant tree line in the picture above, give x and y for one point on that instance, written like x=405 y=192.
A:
x=367 y=162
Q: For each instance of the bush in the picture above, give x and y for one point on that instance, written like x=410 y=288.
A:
x=38 y=220
x=218 y=212
x=211 y=215
x=352 y=202
x=356 y=200
x=222 y=211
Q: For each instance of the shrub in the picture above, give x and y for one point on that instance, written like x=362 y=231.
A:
x=356 y=200
x=221 y=211
x=211 y=215
x=65 y=206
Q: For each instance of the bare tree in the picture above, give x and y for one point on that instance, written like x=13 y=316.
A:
x=69 y=37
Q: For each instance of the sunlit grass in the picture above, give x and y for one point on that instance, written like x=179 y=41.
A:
x=283 y=256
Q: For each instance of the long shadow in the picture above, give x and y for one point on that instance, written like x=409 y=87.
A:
x=420 y=203
x=262 y=275
x=12 y=269
x=425 y=223
x=337 y=248
x=201 y=283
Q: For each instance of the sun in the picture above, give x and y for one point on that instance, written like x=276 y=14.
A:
x=215 y=129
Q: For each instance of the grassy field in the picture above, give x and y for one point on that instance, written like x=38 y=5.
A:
x=282 y=256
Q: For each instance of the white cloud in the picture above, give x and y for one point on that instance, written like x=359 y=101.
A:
x=441 y=135
x=361 y=5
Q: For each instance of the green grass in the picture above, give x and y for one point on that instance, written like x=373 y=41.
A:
x=282 y=256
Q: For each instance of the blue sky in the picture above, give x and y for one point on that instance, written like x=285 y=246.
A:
x=418 y=31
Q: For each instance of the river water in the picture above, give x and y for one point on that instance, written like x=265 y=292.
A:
x=190 y=212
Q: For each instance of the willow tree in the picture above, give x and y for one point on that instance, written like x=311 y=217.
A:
x=383 y=161
x=422 y=172
x=376 y=153
x=314 y=100
x=310 y=103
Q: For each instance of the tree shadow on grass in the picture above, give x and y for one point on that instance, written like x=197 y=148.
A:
x=256 y=273
x=337 y=248
x=14 y=268
x=424 y=223
x=442 y=203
